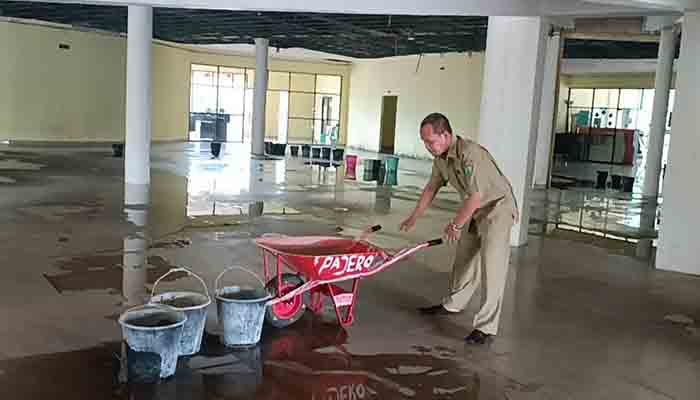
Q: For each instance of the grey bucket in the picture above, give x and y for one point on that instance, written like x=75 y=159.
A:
x=241 y=311
x=152 y=333
x=193 y=330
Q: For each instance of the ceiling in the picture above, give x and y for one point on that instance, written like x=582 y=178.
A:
x=606 y=49
x=349 y=35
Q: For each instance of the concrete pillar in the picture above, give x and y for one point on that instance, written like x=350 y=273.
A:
x=662 y=87
x=678 y=248
x=550 y=92
x=137 y=160
x=259 y=97
x=510 y=103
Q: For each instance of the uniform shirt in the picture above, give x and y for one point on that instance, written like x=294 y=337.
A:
x=470 y=169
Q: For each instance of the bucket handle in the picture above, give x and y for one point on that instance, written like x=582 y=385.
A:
x=218 y=278
x=188 y=272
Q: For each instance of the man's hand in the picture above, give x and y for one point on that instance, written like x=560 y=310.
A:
x=408 y=224
x=452 y=233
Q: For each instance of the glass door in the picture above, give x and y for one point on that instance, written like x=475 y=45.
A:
x=231 y=104
x=203 y=102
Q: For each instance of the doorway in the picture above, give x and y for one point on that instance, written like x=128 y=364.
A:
x=387 y=128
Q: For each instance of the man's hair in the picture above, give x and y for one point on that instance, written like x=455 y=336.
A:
x=438 y=121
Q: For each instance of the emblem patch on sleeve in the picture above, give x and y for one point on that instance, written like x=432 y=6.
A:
x=468 y=170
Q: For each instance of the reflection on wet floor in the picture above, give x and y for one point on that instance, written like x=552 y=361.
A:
x=307 y=361
x=608 y=214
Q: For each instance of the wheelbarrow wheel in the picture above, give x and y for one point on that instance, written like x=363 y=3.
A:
x=283 y=314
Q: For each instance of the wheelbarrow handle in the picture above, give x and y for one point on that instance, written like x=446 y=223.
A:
x=434 y=242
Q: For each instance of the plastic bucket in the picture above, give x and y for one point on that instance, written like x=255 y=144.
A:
x=193 y=304
x=152 y=333
x=241 y=311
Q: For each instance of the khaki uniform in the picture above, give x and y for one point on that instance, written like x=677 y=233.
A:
x=484 y=248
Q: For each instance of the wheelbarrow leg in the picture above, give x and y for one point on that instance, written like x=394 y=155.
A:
x=266 y=265
x=346 y=300
x=316 y=300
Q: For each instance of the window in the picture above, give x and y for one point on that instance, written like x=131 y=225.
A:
x=300 y=107
x=609 y=125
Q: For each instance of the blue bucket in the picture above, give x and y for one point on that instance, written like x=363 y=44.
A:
x=241 y=311
x=193 y=304
x=152 y=333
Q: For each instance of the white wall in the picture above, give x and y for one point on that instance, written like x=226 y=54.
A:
x=51 y=94
x=78 y=95
x=454 y=91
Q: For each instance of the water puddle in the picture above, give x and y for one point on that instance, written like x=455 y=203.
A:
x=101 y=273
x=17 y=165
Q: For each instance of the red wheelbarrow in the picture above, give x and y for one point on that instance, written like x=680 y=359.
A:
x=318 y=264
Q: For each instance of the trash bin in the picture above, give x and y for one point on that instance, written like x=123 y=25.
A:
x=338 y=155
x=601 y=180
x=392 y=168
x=294 y=150
x=279 y=149
x=627 y=184
x=371 y=170
x=616 y=182
x=326 y=153
x=316 y=152
x=215 y=149
x=118 y=150
x=381 y=172
x=306 y=151
x=350 y=165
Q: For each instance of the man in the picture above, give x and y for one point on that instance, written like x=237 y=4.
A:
x=481 y=227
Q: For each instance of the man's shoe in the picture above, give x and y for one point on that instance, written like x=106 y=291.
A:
x=478 y=337
x=434 y=310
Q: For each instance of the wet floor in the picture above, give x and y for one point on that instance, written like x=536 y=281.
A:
x=308 y=361
x=580 y=321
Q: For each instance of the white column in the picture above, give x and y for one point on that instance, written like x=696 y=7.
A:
x=545 y=132
x=678 y=248
x=134 y=262
x=510 y=103
x=259 y=97
x=662 y=87
x=137 y=160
